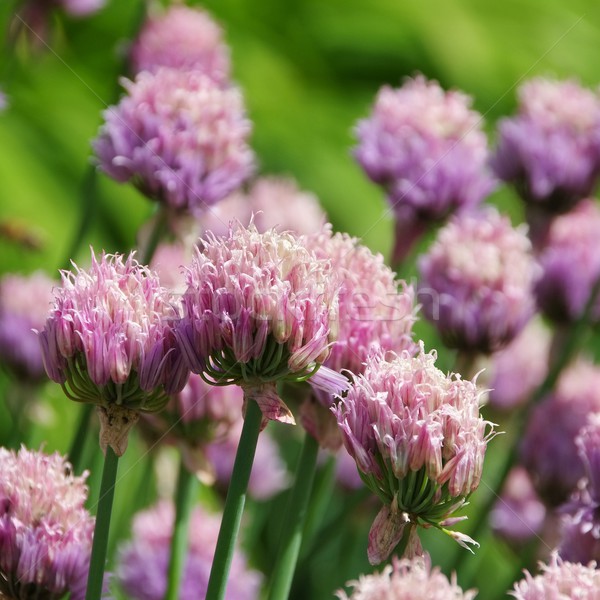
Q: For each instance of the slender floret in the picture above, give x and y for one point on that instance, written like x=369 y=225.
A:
x=179 y=137
x=182 y=38
x=560 y=580
x=550 y=150
x=25 y=302
x=418 y=441
x=45 y=530
x=109 y=340
x=407 y=579
x=426 y=147
x=143 y=562
x=259 y=308
x=476 y=281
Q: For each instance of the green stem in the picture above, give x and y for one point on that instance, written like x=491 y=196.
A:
x=159 y=228
x=75 y=453
x=293 y=522
x=234 y=504
x=100 y=542
x=187 y=485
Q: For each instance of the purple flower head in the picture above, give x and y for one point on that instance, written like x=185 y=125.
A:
x=269 y=475
x=418 y=441
x=558 y=580
x=179 y=137
x=548 y=450
x=24 y=306
x=45 y=530
x=259 y=308
x=519 y=368
x=182 y=38
x=518 y=515
x=550 y=150
x=426 y=147
x=407 y=579
x=570 y=264
x=144 y=561
x=109 y=339
x=271 y=202
x=476 y=281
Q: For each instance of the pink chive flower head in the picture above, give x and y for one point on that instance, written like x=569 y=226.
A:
x=182 y=38
x=418 y=441
x=45 y=530
x=560 y=579
x=550 y=151
x=580 y=538
x=476 y=281
x=259 y=308
x=109 y=337
x=25 y=302
x=270 y=203
x=407 y=579
x=144 y=561
x=548 y=450
x=426 y=147
x=179 y=137
x=570 y=263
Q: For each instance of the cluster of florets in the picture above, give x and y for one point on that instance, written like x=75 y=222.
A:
x=407 y=580
x=179 y=137
x=259 y=308
x=45 y=530
x=144 y=561
x=182 y=38
x=24 y=306
x=556 y=119
x=418 y=441
x=476 y=281
x=570 y=262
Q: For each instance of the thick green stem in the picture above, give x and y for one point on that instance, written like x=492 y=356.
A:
x=234 y=504
x=100 y=543
x=187 y=486
x=159 y=227
x=75 y=453
x=293 y=523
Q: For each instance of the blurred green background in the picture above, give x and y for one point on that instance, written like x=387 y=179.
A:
x=309 y=70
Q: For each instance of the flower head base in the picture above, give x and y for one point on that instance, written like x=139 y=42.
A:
x=144 y=562
x=548 y=450
x=570 y=264
x=418 y=441
x=560 y=579
x=476 y=282
x=24 y=306
x=182 y=38
x=179 y=137
x=556 y=119
x=427 y=148
x=259 y=308
x=407 y=580
x=45 y=531
x=271 y=203
x=109 y=338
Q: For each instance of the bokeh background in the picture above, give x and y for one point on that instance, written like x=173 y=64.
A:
x=309 y=70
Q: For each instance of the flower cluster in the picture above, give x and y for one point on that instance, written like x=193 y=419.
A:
x=570 y=264
x=182 y=38
x=179 y=137
x=556 y=120
x=259 y=308
x=418 y=441
x=407 y=580
x=144 y=561
x=109 y=338
x=45 y=530
x=24 y=306
x=476 y=281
